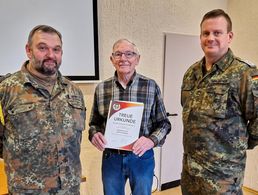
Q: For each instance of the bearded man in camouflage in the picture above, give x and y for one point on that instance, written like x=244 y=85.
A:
x=220 y=113
x=43 y=118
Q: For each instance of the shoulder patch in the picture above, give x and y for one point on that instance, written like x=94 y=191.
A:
x=4 y=77
x=252 y=65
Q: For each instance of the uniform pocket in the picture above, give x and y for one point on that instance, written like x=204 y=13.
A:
x=186 y=102
x=78 y=112
x=25 y=121
x=186 y=93
x=215 y=101
x=25 y=130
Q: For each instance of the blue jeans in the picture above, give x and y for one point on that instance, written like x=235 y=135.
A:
x=117 y=168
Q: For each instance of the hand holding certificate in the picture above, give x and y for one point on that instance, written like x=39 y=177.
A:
x=123 y=124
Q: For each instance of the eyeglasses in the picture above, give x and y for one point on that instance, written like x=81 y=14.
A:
x=128 y=54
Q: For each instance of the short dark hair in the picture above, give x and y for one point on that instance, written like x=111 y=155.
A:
x=217 y=13
x=45 y=29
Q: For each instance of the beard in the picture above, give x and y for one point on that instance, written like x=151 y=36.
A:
x=46 y=67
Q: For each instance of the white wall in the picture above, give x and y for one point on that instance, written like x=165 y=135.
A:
x=244 y=15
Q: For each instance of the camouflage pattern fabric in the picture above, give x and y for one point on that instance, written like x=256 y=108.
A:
x=75 y=190
x=4 y=77
x=194 y=185
x=220 y=112
x=1 y=110
x=40 y=142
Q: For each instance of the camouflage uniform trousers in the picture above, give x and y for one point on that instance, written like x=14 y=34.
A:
x=194 y=185
x=71 y=191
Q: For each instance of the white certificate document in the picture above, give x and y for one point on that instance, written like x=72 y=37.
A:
x=123 y=124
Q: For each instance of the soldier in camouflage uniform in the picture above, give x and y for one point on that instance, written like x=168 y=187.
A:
x=44 y=116
x=220 y=113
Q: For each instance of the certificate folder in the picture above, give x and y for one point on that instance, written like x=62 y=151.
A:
x=123 y=124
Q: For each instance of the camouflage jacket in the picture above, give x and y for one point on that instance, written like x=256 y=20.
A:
x=220 y=117
x=40 y=141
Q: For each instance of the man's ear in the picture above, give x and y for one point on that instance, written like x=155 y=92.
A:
x=138 y=59
x=230 y=34
x=111 y=59
x=28 y=51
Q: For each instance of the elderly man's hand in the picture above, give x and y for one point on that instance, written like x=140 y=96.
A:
x=142 y=145
x=99 y=141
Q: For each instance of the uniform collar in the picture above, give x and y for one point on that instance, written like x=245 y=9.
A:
x=224 y=62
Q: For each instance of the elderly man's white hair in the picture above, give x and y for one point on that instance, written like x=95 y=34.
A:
x=136 y=50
